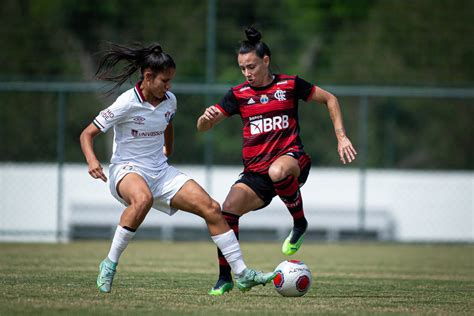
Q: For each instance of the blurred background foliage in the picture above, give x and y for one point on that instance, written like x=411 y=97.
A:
x=328 y=42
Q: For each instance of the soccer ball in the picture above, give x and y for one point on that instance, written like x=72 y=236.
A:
x=293 y=278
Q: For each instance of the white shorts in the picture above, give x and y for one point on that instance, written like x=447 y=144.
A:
x=164 y=185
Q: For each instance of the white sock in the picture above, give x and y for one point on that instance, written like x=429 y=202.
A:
x=119 y=243
x=230 y=248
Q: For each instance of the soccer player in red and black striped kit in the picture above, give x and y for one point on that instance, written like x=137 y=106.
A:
x=273 y=156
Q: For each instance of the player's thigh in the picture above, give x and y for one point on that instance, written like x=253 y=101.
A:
x=133 y=188
x=283 y=167
x=193 y=198
x=241 y=199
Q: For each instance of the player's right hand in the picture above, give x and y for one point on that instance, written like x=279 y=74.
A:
x=211 y=113
x=96 y=171
x=211 y=116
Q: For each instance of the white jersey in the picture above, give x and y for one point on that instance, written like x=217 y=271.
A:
x=138 y=129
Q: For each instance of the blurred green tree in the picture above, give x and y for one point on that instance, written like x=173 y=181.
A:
x=366 y=42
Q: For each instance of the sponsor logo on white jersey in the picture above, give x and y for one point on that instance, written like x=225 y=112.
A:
x=264 y=99
x=136 y=133
x=107 y=114
x=280 y=95
x=138 y=120
x=263 y=125
x=251 y=101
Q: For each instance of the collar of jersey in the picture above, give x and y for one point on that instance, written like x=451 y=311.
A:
x=138 y=92
x=275 y=79
x=141 y=97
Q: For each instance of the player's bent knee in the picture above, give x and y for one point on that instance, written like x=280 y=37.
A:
x=142 y=202
x=212 y=212
x=277 y=172
x=215 y=209
x=229 y=207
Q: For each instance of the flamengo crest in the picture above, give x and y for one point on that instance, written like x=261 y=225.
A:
x=280 y=95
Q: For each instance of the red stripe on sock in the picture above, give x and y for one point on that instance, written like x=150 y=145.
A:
x=286 y=187
x=298 y=215
x=283 y=182
x=233 y=221
x=222 y=261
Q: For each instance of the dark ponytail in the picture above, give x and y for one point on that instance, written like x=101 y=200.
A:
x=253 y=43
x=137 y=57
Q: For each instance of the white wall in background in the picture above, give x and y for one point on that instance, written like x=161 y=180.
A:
x=424 y=206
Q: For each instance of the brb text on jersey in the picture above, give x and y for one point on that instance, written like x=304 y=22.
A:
x=270 y=119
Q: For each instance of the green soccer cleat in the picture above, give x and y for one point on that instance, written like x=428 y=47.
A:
x=107 y=270
x=250 y=278
x=289 y=248
x=221 y=288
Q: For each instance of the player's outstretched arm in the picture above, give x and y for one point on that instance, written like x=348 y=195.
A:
x=87 y=146
x=346 y=151
x=211 y=116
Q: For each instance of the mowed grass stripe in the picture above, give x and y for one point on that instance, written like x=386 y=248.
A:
x=173 y=278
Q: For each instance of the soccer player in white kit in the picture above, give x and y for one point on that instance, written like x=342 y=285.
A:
x=140 y=177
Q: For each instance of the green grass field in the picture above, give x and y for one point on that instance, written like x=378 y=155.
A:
x=162 y=278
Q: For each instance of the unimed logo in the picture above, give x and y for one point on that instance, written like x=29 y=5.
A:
x=268 y=124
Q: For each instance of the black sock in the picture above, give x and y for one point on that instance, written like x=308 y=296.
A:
x=299 y=227
x=224 y=275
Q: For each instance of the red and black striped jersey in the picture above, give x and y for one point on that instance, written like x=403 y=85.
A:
x=270 y=118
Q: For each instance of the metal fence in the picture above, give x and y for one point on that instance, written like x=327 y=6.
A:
x=64 y=97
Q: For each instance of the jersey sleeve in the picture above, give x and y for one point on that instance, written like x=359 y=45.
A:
x=228 y=104
x=174 y=107
x=111 y=115
x=303 y=89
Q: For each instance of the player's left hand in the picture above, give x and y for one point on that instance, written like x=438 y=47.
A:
x=346 y=151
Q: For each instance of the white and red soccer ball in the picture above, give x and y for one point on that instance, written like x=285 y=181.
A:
x=293 y=278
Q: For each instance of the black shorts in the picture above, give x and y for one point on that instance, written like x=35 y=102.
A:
x=262 y=184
